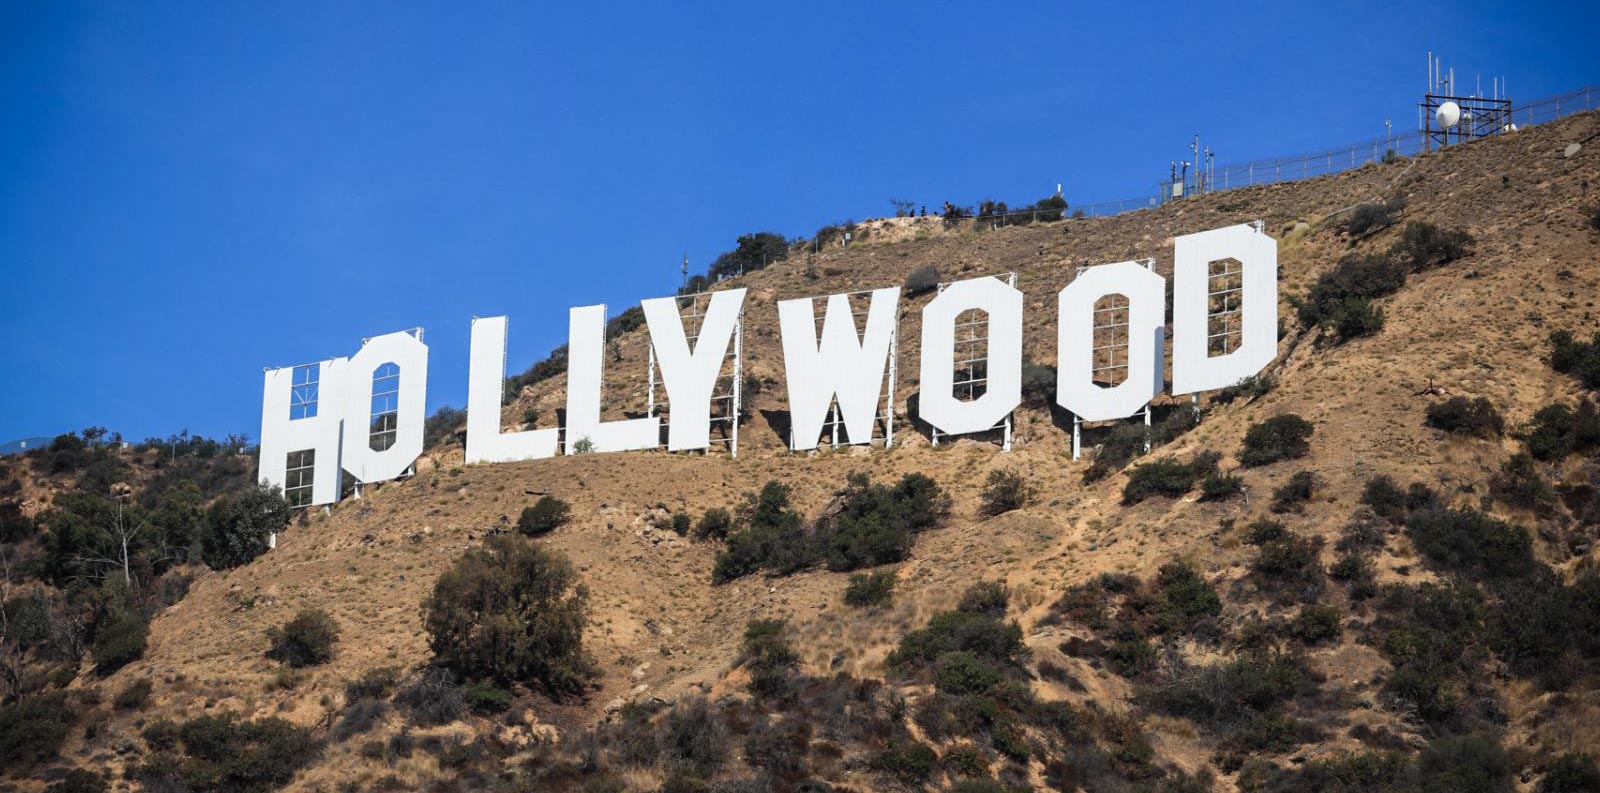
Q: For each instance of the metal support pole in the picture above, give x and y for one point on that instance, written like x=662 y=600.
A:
x=894 y=365
x=650 y=398
x=738 y=383
x=1147 y=429
x=1077 y=436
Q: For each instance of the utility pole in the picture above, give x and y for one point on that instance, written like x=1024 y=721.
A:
x=685 y=268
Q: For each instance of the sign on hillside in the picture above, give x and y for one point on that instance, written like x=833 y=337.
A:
x=362 y=416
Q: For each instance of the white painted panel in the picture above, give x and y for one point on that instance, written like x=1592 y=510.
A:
x=1075 y=387
x=690 y=376
x=1192 y=367
x=281 y=435
x=586 y=341
x=939 y=405
x=846 y=364
x=411 y=356
x=486 y=378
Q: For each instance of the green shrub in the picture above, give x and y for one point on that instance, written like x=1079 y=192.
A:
x=1520 y=484
x=909 y=761
x=486 y=699
x=681 y=523
x=1004 y=491
x=511 y=611
x=949 y=631
x=1424 y=246
x=693 y=739
x=134 y=695
x=753 y=252
x=1385 y=497
x=33 y=728
x=119 y=639
x=1293 y=495
x=1469 y=541
x=446 y=424
x=1218 y=486
x=989 y=598
x=1341 y=299
x=870 y=589
x=1289 y=561
x=1184 y=598
x=546 y=515
x=1317 y=624
x=714 y=524
x=79 y=780
x=1579 y=359
x=876 y=524
x=1227 y=692
x=1371 y=218
x=1265 y=530
x=238 y=528
x=963 y=672
x=1462 y=416
x=1167 y=477
x=1557 y=430
x=306 y=640
x=922 y=280
x=375 y=683
x=1574 y=772
x=433 y=698
x=766 y=653
x=1250 y=389
x=772 y=536
x=1466 y=764
x=1282 y=437
x=222 y=753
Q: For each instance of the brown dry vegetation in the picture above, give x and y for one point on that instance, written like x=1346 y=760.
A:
x=659 y=628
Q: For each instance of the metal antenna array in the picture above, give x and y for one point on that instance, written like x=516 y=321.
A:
x=726 y=394
x=971 y=362
x=1446 y=115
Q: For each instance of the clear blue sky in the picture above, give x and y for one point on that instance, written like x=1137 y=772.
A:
x=191 y=191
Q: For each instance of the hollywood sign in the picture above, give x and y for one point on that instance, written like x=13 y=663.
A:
x=363 y=415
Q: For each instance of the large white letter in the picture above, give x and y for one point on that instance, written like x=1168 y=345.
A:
x=486 y=380
x=385 y=396
x=691 y=376
x=939 y=405
x=843 y=366
x=302 y=408
x=1075 y=387
x=586 y=339
x=1193 y=368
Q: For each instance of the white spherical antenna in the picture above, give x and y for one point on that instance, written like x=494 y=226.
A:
x=1448 y=114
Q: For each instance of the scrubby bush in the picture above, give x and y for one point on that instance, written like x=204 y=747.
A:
x=1385 y=497
x=1294 y=494
x=1167 y=477
x=222 y=753
x=963 y=672
x=511 y=611
x=1579 y=359
x=922 y=280
x=33 y=728
x=714 y=524
x=1218 y=486
x=1038 y=385
x=375 y=683
x=753 y=252
x=1004 y=491
x=1463 y=416
x=1251 y=388
x=771 y=536
x=546 y=515
x=306 y=640
x=1341 y=299
x=1472 y=542
x=1282 y=437
x=767 y=655
x=984 y=634
x=238 y=528
x=485 y=698
x=1466 y=764
x=119 y=640
x=909 y=761
x=1317 y=624
x=693 y=739
x=1424 y=246
x=1368 y=219
x=1574 y=772
x=870 y=589
x=79 y=780
x=134 y=695
x=1520 y=484
x=681 y=523
x=989 y=598
x=1227 y=692
x=1289 y=558
x=877 y=524
x=444 y=425
x=433 y=698
x=1557 y=430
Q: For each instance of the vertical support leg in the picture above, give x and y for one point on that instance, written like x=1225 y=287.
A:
x=833 y=415
x=650 y=392
x=738 y=384
x=888 y=408
x=1146 y=429
x=1077 y=436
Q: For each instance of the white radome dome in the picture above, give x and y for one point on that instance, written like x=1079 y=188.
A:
x=1448 y=114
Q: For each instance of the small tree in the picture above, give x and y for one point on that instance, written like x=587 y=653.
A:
x=922 y=280
x=514 y=612
x=1004 y=491
x=237 y=529
x=1282 y=437
x=546 y=515
x=306 y=640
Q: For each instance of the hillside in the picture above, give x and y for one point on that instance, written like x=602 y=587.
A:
x=661 y=631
